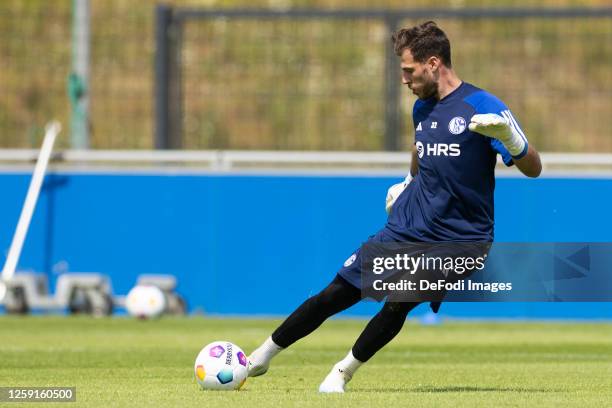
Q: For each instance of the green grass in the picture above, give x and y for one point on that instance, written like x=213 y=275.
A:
x=122 y=362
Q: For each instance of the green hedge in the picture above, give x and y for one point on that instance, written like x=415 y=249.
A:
x=287 y=85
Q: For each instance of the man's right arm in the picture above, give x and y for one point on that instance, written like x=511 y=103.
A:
x=414 y=163
x=395 y=190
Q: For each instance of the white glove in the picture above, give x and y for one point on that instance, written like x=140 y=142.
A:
x=500 y=128
x=394 y=191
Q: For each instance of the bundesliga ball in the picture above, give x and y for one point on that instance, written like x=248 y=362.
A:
x=145 y=302
x=221 y=365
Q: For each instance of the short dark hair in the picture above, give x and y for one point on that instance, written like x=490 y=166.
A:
x=424 y=41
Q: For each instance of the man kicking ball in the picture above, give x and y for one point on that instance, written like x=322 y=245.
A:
x=447 y=197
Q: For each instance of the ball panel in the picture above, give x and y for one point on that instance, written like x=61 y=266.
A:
x=216 y=351
x=241 y=358
x=225 y=376
x=200 y=372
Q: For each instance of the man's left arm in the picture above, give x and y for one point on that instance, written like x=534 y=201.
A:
x=506 y=130
x=530 y=164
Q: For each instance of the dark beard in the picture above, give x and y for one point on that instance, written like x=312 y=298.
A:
x=430 y=91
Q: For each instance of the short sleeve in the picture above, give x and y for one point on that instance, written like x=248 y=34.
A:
x=420 y=111
x=484 y=102
x=505 y=154
x=416 y=116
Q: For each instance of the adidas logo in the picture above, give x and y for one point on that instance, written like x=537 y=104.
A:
x=419 y=127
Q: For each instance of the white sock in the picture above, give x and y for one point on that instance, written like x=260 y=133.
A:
x=349 y=364
x=340 y=375
x=264 y=353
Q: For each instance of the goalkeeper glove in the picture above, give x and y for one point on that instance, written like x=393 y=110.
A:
x=500 y=128
x=394 y=191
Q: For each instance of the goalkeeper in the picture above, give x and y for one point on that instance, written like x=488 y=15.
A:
x=448 y=197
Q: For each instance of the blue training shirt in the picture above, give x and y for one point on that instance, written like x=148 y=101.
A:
x=451 y=197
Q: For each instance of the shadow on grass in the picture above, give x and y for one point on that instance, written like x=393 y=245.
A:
x=457 y=388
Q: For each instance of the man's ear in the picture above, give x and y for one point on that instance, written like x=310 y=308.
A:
x=434 y=63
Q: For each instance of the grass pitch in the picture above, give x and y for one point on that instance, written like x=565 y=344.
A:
x=123 y=362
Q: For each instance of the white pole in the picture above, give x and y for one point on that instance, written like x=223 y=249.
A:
x=51 y=131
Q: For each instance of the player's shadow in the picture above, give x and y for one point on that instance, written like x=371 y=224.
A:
x=460 y=388
x=457 y=388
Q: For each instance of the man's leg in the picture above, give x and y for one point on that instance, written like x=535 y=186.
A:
x=336 y=297
x=380 y=330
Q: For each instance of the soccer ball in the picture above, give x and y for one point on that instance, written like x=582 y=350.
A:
x=145 y=302
x=221 y=365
